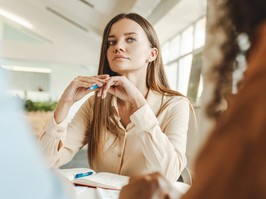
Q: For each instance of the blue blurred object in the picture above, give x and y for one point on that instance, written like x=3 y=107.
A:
x=93 y=87
x=80 y=175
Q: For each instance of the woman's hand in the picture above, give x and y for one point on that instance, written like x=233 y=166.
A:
x=122 y=88
x=75 y=91
x=78 y=88
x=150 y=186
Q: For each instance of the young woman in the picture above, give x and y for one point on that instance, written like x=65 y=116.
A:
x=232 y=163
x=134 y=123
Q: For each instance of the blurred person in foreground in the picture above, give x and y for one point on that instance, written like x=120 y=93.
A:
x=232 y=164
x=23 y=171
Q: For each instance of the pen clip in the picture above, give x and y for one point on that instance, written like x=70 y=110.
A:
x=80 y=175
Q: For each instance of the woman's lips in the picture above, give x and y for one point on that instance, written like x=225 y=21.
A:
x=118 y=57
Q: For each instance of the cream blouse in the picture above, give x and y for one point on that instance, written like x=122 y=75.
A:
x=147 y=144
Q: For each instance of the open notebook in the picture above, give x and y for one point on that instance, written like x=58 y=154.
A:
x=88 y=177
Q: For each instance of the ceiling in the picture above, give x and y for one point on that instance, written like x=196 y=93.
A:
x=69 y=31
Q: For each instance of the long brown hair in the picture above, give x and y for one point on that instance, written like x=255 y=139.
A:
x=227 y=20
x=103 y=118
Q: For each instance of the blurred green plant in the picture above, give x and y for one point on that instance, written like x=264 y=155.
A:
x=39 y=106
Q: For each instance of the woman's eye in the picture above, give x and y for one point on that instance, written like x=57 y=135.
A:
x=130 y=40
x=111 y=42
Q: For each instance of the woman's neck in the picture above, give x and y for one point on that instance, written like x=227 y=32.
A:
x=139 y=80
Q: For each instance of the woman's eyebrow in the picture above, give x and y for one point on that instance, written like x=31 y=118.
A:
x=131 y=33
x=127 y=33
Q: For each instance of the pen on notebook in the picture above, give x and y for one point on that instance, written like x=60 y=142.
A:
x=93 y=87
x=80 y=175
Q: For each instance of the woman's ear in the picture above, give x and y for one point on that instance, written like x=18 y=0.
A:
x=153 y=54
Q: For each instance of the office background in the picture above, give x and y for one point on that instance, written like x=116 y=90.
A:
x=47 y=43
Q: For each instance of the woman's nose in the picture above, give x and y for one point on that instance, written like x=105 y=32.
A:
x=119 y=47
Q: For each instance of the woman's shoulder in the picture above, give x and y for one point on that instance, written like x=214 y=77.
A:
x=170 y=99
x=176 y=98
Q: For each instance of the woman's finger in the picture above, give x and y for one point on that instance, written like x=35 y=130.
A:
x=100 y=78
x=91 y=83
x=107 y=86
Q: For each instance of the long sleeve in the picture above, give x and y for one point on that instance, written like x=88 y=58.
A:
x=61 y=142
x=164 y=144
x=157 y=143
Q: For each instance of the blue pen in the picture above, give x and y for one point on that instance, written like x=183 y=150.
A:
x=93 y=87
x=80 y=175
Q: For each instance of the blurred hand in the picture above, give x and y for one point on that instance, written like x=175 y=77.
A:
x=150 y=186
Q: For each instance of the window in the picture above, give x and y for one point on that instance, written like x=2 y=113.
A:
x=195 y=74
x=184 y=73
x=171 y=72
x=174 y=48
x=199 y=33
x=182 y=57
x=186 y=44
x=166 y=52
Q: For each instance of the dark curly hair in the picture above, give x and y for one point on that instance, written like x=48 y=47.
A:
x=227 y=20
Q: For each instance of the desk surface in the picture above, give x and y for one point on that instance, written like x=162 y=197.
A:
x=92 y=193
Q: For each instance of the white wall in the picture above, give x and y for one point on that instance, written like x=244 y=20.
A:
x=62 y=75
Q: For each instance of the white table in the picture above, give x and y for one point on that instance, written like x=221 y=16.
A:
x=92 y=193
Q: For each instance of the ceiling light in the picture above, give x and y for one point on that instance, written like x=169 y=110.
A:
x=27 y=69
x=16 y=19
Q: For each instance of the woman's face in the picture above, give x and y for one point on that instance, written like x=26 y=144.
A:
x=129 y=48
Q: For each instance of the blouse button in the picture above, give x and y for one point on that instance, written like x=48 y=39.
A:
x=119 y=155
x=59 y=131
